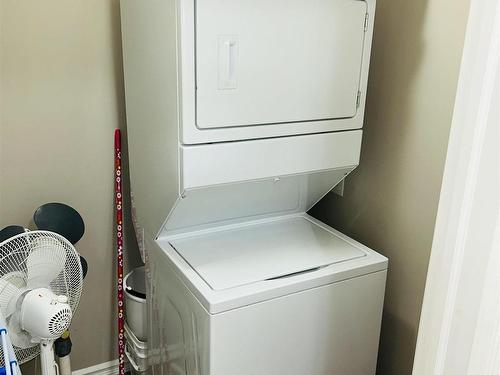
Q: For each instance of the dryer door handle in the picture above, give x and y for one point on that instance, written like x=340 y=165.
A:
x=228 y=62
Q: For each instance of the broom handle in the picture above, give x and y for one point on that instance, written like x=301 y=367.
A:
x=119 y=250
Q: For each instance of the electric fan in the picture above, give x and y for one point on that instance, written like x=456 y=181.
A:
x=40 y=286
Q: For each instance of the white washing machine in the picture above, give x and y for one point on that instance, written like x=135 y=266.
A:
x=286 y=295
x=241 y=115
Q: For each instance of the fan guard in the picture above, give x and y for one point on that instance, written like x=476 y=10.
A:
x=37 y=259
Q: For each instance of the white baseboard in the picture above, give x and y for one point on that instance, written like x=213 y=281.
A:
x=106 y=368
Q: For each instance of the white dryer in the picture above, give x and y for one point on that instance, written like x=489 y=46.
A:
x=241 y=115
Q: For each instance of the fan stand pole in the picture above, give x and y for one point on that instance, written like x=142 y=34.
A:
x=119 y=250
x=47 y=358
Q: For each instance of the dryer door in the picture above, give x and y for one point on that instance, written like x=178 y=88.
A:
x=263 y=62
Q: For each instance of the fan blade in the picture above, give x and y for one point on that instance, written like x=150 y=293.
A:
x=7 y=292
x=45 y=262
x=16 y=278
x=19 y=337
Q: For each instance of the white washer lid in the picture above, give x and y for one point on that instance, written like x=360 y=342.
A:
x=243 y=255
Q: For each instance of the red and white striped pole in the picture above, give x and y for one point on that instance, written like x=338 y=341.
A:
x=119 y=250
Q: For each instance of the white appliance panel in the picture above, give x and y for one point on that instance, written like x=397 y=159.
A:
x=178 y=326
x=222 y=163
x=247 y=254
x=330 y=330
x=268 y=62
x=216 y=301
x=231 y=203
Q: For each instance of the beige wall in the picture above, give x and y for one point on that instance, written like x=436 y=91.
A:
x=62 y=97
x=390 y=201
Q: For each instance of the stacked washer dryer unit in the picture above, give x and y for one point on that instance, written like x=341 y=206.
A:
x=241 y=115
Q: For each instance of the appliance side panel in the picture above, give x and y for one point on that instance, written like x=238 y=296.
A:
x=367 y=49
x=179 y=331
x=149 y=38
x=333 y=329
